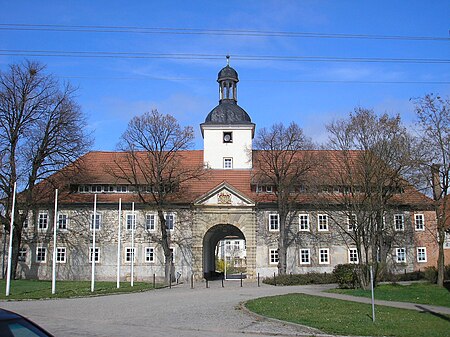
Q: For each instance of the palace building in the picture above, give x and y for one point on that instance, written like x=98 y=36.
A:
x=227 y=215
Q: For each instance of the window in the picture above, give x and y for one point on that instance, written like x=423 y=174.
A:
x=41 y=254
x=228 y=137
x=62 y=221
x=421 y=254
x=98 y=221
x=303 y=220
x=322 y=222
x=324 y=256
x=96 y=255
x=227 y=163
x=97 y=188
x=129 y=254
x=150 y=222
x=84 y=188
x=351 y=222
x=172 y=254
x=419 y=221
x=25 y=223
x=61 y=255
x=170 y=221
x=305 y=256
x=353 y=255
x=149 y=254
x=22 y=254
x=273 y=256
x=399 y=222
x=400 y=255
x=269 y=189
x=43 y=221
x=274 y=222
x=131 y=221
x=122 y=188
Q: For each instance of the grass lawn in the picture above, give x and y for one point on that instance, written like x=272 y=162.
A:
x=423 y=293
x=350 y=318
x=33 y=289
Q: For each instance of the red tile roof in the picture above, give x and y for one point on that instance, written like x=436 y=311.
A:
x=101 y=168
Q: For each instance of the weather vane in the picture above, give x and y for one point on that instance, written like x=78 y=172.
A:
x=228 y=60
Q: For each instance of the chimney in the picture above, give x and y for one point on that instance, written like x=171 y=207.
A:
x=436 y=181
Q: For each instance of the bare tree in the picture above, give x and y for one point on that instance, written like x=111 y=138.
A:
x=433 y=113
x=367 y=170
x=157 y=166
x=41 y=130
x=282 y=162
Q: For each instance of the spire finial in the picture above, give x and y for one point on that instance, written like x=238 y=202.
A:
x=228 y=60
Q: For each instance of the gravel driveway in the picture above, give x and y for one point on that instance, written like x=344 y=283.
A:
x=179 y=311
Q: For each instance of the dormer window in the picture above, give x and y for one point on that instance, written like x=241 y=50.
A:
x=228 y=137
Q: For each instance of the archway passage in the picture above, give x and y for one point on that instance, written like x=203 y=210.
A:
x=214 y=238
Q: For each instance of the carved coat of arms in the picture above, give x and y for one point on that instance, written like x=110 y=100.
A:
x=224 y=198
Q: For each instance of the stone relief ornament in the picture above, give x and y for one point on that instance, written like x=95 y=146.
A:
x=224 y=198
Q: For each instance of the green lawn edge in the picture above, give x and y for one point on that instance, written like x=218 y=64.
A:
x=22 y=290
x=419 y=293
x=350 y=318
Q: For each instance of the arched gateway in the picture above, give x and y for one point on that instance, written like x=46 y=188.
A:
x=225 y=244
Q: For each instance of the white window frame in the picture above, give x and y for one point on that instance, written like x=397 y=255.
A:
x=61 y=252
x=399 y=226
x=421 y=254
x=127 y=252
x=97 y=253
x=148 y=225
x=227 y=163
x=274 y=227
x=259 y=189
x=307 y=228
x=269 y=189
x=273 y=256
x=308 y=254
x=23 y=253
x=99 y=221
x=147 y=255
x=350 y=226
x=43 y=220
x=173 y=221
x=321 y=251
x=419 y=222
x=97 y=188
x=319 y=224
x=61 y=217
x=130 y=221
x=400 y=252
x=38 y=249
x=353 y=257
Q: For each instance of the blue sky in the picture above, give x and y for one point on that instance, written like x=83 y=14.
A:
x=114 y=89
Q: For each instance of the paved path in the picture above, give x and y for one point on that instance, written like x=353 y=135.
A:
x=179 y=311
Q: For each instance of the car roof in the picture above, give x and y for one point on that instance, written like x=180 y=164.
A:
x=5 y=314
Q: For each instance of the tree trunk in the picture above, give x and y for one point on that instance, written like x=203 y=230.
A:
x=165 y=242
x=440 y=262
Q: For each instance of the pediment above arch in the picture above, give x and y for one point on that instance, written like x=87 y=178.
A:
x=224 y=195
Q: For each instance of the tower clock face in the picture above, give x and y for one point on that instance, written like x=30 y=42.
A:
x=227 y=137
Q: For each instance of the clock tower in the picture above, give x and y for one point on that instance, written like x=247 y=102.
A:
x=228 y=130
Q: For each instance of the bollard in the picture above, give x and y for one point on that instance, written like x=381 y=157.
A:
x=274 y=279
x=170 y=281
x=222 y=282
x=192 y=281
x=241 y=279
x=207 y=285
x=154 y=281
x=258 y=280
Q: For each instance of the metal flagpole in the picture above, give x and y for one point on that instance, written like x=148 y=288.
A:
x=118 y=243
x=94 y=223
x=11 y=231
x=55 y=220
x=133 y=223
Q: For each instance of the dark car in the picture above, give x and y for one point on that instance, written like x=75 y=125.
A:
x=15 y=325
